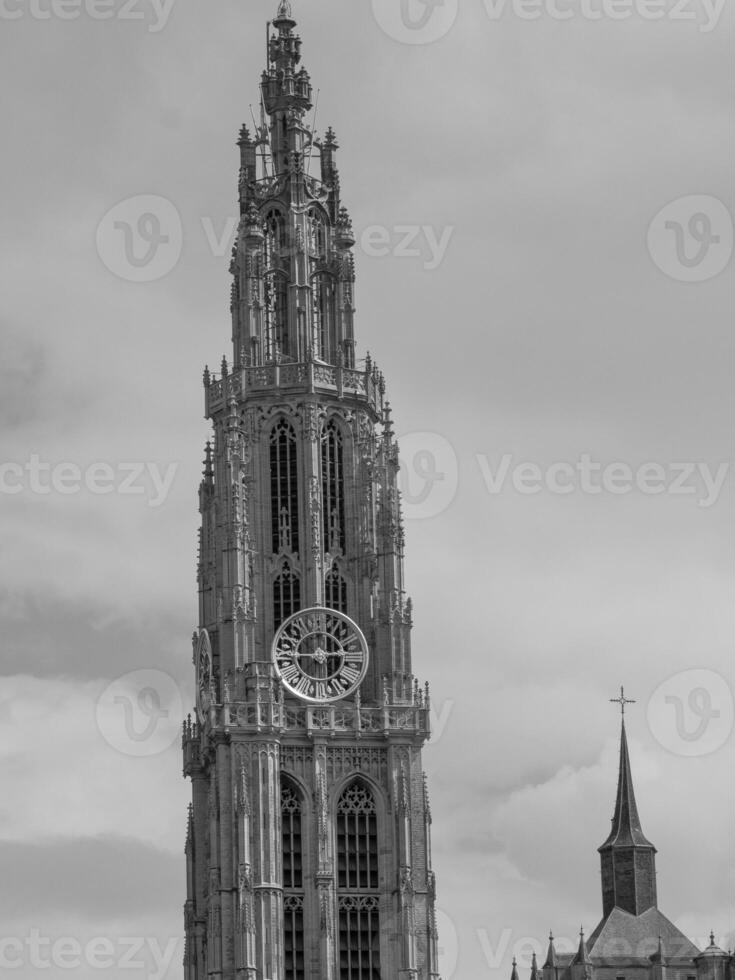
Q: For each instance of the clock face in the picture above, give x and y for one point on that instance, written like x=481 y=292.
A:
x=204 y=674
x=320 y=655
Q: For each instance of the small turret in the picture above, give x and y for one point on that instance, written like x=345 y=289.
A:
x=551 y=966
x=658 y=961
x=581 y=963
x=714 y=963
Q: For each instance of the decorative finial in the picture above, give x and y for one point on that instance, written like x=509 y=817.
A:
x=284 y=13
x=622 y=701
x=208 y=467
x=712 y=938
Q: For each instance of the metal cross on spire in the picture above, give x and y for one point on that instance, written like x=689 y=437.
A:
x=622 y=701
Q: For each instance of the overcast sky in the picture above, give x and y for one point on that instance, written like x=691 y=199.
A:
x=552 y=286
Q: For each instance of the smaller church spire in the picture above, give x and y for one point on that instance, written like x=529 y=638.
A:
x=514 y=971
x=626 y=824
x=628 y=858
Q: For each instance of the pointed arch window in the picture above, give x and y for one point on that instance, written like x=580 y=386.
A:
x=333 y=489
x=275 y=285
x=358 y=884
x=335 y=590
x=284 y=490
x=293 y=881
x=274 y=241
x=324 y=303
x=286 y=595
x=317 y=232
x=276 y=315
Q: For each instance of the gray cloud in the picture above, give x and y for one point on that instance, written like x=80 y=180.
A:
x=102 y=878
x=546 y=332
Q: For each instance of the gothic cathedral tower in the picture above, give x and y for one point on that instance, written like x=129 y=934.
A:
x=308 y=854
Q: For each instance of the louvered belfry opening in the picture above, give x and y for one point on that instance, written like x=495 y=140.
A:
x=358 y=883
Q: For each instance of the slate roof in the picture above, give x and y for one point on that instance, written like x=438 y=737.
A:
x=622 y=936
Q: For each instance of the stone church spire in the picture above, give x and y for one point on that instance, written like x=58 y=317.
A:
x=309 y=842
x=628 y=858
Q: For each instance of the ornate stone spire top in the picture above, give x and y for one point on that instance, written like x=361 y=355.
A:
x=284 y=17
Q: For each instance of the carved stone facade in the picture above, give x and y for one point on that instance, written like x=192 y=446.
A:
x=300 y=508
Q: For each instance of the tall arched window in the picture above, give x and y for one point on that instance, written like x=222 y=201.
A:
x=335 y=590
x=284 y=490
x=286 y=595
x=324 y=301
x=274 y=230
x=358 y=884
x=276 y=285
x=333 y=489
x=276 y=315
x=293 y=882
x=317 y=235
